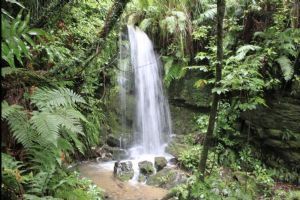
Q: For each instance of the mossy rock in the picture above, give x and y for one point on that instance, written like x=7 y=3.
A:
x=123 y=170
x=185 y=90
x=167 y=178
x=113 y=141
x=146 y=168
x=160 y=163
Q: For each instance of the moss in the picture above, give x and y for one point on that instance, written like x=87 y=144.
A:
x=146 y=168
x=167 y=178
x=125 y=177
x=184 y=89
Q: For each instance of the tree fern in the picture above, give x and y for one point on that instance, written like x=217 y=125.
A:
x=286 y=67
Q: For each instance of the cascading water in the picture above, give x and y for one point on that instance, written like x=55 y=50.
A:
x=140 y=75
x=152 y=110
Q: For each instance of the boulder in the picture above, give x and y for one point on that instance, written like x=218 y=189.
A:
x=167 y=178
x=123 y=170
x=146 y=168
x=160 y=163
x=173 y=161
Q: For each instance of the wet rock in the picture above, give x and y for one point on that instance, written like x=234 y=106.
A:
x=160 y=163
x=123 y=170
x=146 y=167
x=142 y=178
x=103 y=154
x=107 y=153
x=167 y=178
x=173 y=161
x=113 y=141
x=119 y=154
x=184 y=90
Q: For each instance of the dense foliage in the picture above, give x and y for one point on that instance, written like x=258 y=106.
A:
x=49 y=123
x=57 y=73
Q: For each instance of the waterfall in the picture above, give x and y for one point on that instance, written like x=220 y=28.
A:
x=142 y=73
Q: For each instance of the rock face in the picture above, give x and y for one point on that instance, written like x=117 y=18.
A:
x=123 y=170
x=188 y=101
x=146 y=168
x=113 y=141
x=160 y=163
x=277 y=128
x=167 y=178
x=184 y=91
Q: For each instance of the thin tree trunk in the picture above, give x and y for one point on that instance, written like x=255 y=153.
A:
x=215 y=98
x=111 y=19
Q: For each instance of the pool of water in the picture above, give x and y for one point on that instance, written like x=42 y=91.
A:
x=102 y=175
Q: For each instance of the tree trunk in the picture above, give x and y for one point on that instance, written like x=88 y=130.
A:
x=215 y=98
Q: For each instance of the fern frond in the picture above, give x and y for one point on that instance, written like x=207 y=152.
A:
x=8 y=162
x=69 y=119
x=38 y=184
x=207 y=15
x=43 y=158
x=79 y=145
x=45 y=98
x=243 y=50
x=286 y=67
x=18 y=122
x=47 y=126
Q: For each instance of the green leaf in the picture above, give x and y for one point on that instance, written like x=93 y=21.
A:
x=243 y=50
x=200 y=83
x=201 y=68
x=16 y=2
x=286 y=67
x=36 y=31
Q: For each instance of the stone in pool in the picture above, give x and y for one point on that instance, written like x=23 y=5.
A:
x=160 y=163
x=123 y=170
x=146 y=168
